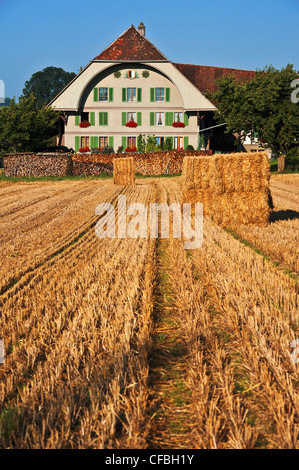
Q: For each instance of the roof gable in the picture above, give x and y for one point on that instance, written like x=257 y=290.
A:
x=131 y=46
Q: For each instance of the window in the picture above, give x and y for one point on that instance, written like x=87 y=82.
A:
x=159 y=94
x=131 y=117
x=178 y=117
x=84 y=117
x=103 y=94
x=178 y=142
x=131 y=142
x=160 y=141
x=160 y=120
x=84 y=142
x=131 y=74
x=103 y=142
x=131 y=94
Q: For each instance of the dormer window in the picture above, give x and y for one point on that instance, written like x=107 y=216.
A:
x=131 y=74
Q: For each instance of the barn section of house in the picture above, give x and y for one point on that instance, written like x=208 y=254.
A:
x=131 y=80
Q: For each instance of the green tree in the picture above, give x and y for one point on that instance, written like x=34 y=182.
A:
x=151 y=144
x=26 y=125
x=262 y=105
x=168 y=144
x=141 y=143
x=47 y=83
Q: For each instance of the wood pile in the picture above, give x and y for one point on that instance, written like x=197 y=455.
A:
x=32 y=165
x=90 y=168
x=234 y=188
x=151 y=163
x=124 y=171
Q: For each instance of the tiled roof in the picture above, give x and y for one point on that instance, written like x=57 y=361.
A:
x=203 y=77
x=131 y=45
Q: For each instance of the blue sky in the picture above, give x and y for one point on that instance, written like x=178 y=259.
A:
x=247 y=34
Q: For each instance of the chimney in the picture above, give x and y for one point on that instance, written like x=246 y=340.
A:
x=141 y=29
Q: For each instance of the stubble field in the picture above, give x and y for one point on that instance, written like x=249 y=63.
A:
x=140 y=343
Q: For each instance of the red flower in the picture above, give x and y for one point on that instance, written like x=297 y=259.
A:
x=133 y=149
x=84 y=149
x=131 y=124
x=178 y=124
x=84 y=124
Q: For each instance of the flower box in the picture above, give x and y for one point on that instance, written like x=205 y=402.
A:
x=178 y=124
x=84 y=124
x=131 y=124
x=84 y=149
x=133 y=149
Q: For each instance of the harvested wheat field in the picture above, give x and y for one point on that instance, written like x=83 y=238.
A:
x=139 y=343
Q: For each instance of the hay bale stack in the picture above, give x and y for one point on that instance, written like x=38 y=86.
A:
x=234 y=188
x=123 y=171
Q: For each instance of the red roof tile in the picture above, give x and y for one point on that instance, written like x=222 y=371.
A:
x=203 y=77
x=131 y=45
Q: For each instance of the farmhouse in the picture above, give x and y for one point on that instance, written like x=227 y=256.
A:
x=131 y=88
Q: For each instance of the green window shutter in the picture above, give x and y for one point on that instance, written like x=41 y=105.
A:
x=139 y=118
x=110 y=95
x=95 y=94
x=77 y=143
x=167 y=95
x=186 y=119
x=124 y=94
x=123 y=118
x=152 y=119
x=186 y=141
x=111 y=141
x=105 y=119
x=168 y=119
x=124 y=142
x=77 y=120
x=92 y=118
x=94 y=142
x=152 y=95
x=139 y=95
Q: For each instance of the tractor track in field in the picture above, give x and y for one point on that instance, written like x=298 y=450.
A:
x=170 y=396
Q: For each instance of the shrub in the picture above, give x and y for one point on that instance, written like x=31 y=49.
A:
x=189 y=147
x=120 y=149
x=168 y=143
x=108 y=150
x=292 y=156
x=141 y=143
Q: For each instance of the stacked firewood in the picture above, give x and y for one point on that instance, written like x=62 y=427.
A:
x=151 y=163
x=32 y=165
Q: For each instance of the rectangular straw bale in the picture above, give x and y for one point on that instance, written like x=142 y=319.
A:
x=228 y=176
x=216 y=175
x=188 y=173
x=233 y=188
x=237 y=171
x=123 y=171
x=205 y=173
